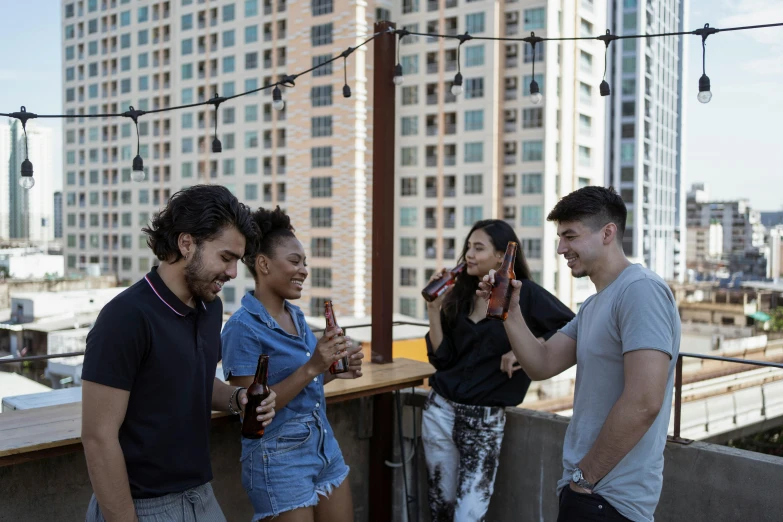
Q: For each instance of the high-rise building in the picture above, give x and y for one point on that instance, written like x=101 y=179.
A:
x=644 y=130
x=5 y=178
x=491 y=152
x=17 y=196
x=38 y=215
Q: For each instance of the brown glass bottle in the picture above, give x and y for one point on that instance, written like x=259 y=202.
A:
x=252 y=428
x=436 y=288
x=500 y=296
x=340 y=365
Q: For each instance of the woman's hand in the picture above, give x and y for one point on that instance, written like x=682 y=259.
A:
x=436 y=303
x=509 y=364
x=331 y=347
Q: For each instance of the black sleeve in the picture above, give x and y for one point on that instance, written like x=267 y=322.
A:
x=116 y=346
x=544 y=313
x=445 y=356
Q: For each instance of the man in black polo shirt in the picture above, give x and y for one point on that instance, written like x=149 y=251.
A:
x=149 y=381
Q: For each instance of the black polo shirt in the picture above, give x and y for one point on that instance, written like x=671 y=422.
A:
x=164 y=353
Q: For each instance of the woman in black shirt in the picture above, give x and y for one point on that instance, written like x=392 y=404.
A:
x=477 y=376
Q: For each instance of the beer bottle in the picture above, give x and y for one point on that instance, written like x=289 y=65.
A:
x=252 y=428
x=341 y=365
x=436 y=288
x=500 y=296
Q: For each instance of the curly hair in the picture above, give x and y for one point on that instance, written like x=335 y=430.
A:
x=274 y=226
x=203 y=211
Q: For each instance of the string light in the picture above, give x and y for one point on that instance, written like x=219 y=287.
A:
x=705 y=94
x=535 y=90
x=456 y=85
x=138 y=174
x=607 y=39
x=217 y=147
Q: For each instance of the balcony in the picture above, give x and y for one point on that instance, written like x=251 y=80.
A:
x=432 y=130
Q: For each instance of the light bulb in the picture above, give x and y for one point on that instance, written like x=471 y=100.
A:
x=26 y=182
x=456 y=90
x=704 y=96
x=138 y=176
x=277 y=99
x=536 y=98
x=398 y=79
x=278 y=105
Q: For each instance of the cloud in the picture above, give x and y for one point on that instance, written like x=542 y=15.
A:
x=755 y=12
x=769 y=66
x=8 y=74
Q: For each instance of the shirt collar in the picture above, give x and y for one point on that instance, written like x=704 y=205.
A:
x=167 y=296
x=254 y=306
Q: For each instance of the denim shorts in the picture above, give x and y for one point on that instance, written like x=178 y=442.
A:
x=288 y=468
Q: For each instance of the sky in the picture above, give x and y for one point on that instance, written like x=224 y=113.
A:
x=732 y=144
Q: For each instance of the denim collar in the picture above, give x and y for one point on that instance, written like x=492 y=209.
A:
x=256 y=308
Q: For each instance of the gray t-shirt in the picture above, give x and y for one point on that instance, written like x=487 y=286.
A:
x=637 y=311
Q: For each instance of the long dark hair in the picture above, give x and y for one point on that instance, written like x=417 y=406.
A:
x=461 y=296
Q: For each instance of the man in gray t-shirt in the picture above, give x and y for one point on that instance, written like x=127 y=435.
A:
x=625 y=341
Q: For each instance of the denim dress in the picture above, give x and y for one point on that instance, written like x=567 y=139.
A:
x=298 y=457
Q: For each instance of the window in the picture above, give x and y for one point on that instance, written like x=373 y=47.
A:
x=229 y=167
x=125 y=63
x=317 y=306
x=251 y=7
x=409 y=186
x=229 y=294
x=321 y=247
x=92 y=26
x=408 y=306
x=410 y=125
x=534 y=19
x=532 y=150
x=410 y=95
x=410 y=64
x=585 y=93
x=187 y=145
x=629 y=86
x=531 y=248
x=532 y=215
x=627 y=151
x=474 y=23
x=321 y=7
x=187 y=170
x=251 y=113
x=321 y=277
x=144 y=60
x=187 y=46
x=125 y=41
x=326 y=70
x=474 y=56
x=69 y=52
x=474 y=88
x=407 y=277
x=474 y=120
x=407 y=246
x=410 y=156
x=629 y=64
x=92 y=48
x=251 y=139
x=410 y=6
x=473 y=184
x=533 y=118
x=251 y=165
x=251 y=60
x=585 y=156
x=125 y=18
x=228 y=64
x=251 y=34
x=585 y=28
x=321 y=187
x=582 y=182
x=228 y=38
x=585 y=124
x=228 y=12
x=321 y=157
x=474 y=152
x=586 y=62
x=408 y=216
x=321 y=34
x=321 y=217
x=538 y=56
x=321 y=95
x=472 y=214
x=187 y=120
x=629 y=22
x=321 y=126
x=629 y=108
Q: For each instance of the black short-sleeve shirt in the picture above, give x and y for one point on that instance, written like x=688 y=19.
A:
x=468 y=359
x=165 y=353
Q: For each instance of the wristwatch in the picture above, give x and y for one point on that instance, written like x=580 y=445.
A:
x=578 y=478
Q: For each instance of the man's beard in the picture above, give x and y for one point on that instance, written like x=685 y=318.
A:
x=199 y=283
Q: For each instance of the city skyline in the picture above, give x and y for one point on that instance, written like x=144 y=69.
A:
x=745 y=68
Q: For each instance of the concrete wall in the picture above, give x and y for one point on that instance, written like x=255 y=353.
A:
x=702 y=482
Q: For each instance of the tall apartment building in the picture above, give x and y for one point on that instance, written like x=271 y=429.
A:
x=312 y=158
x=645 y=130
x=5 y=178
x=58 y=215
x=491 y=152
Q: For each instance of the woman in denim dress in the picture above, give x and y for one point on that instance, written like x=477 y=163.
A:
x=296 y=471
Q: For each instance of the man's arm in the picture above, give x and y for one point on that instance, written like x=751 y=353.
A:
x=103 y=411
x=646 y=373
x=222 y=392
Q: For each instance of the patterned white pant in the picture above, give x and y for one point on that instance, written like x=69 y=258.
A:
x=461 y=447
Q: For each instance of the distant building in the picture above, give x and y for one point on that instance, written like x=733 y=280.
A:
x=58 y=215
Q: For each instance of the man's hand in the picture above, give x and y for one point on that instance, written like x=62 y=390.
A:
x=266 y=411
x=509 y=364
x=355 y=356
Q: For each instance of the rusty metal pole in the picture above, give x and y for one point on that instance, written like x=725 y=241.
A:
x=382 y=441
x=678 y=404
x=383 y=192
